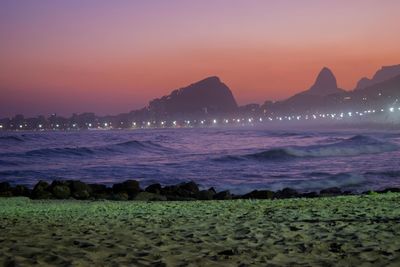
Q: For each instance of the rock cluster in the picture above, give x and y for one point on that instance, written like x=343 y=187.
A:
x=130 y=190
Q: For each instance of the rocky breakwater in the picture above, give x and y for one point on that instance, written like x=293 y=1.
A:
x=131 y=190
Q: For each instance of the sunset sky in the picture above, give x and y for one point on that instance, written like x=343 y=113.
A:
x=114 y=56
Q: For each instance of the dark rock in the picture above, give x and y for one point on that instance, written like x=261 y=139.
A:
x=190 y=187
x=181 y=191
x=179 y=198
x=223 y=195
x=170 y=190
x=369 y=192
x=6 y=194
x=309 y=195
x=100 y=191
x=212 y=189
x=21 y=191
x=41 y=191
x=80 y=190
x=147 y=196
x=259 y=194
x=390 y=189
x=61 y=192
x=130 y=187
x=98 y=188
x=120 y=196
x=5 y=187
x=59 y=182
x=60 y=189
x=332 y=191
x=154 y=188
x=82 y=195
x=286 y=193
x=206 y=194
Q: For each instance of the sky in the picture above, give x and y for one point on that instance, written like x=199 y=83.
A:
x=109 y=57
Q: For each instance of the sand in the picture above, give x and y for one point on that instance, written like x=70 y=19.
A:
x=338 y=231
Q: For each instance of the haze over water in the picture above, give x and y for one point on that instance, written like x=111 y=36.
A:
x=239 y=159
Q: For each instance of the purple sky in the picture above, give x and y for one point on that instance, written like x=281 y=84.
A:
x=114 y=56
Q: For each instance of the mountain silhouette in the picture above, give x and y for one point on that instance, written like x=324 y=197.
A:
x=211 y=98
x=386 y=91
x=383 y=74
x=208 y=96
x=325 y=84
x=312 y=99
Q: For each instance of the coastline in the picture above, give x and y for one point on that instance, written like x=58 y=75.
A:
x=343 y=230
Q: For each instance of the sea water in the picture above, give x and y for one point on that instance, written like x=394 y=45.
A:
x=238 y=159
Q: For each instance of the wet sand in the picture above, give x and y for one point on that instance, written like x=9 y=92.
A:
x=338 y=231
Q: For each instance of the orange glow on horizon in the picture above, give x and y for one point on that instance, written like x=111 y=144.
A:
x=107 y=60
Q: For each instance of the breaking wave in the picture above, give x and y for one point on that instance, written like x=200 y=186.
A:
x=133 y=147
x=12 y=138
x=354 y=146
x=341 y=180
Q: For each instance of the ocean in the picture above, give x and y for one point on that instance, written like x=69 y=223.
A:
x=238 y=159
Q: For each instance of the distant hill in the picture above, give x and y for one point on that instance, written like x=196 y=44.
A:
x=211 y=98
x=385 y=73
x=383 y=93
x=208 y=96
x=312 y=99
x=380 y=95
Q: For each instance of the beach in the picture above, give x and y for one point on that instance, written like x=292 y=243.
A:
x=361 y=230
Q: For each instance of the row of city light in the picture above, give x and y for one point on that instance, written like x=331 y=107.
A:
x=341 y=115
x=205 y=122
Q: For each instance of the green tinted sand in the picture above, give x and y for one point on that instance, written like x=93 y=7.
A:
x=348 y=231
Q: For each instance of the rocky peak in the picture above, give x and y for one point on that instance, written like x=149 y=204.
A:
x=325 y=83
x=212 y=80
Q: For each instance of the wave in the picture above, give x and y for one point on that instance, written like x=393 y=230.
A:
x=13 y=138
x=23 y=137
x=391 y=174
x=307 y=183
x=273 y=154
x=132 y=146
x=63 y=151
x=229 y=158
x=21 y=173
x=354 y=146
x=141 y=144
x=290 y=134
x=8 y=163
x=341 y=180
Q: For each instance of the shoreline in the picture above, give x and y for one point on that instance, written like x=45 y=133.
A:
x=343 y=230
x=131 y=190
